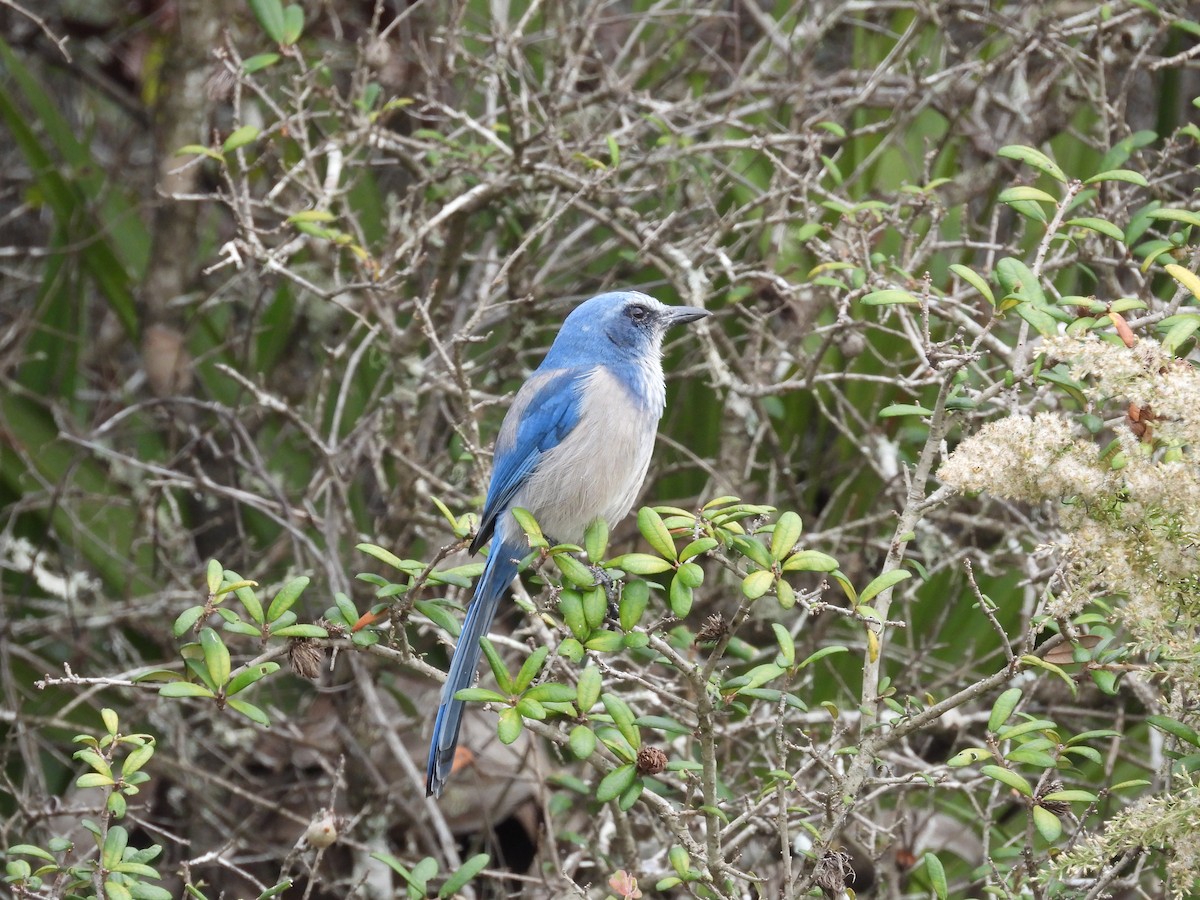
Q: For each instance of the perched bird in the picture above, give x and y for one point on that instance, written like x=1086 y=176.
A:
x=574 y=447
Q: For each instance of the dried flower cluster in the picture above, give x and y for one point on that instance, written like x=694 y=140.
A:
x=1144 y=374
x=1164 y=822
x=1129 y=515
x=1029 y=460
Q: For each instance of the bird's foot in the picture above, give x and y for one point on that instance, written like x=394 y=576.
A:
x=612 y=590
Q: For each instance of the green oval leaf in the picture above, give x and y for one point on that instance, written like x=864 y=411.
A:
x=186 y=619
x=571 y=649
x=573 y=570
x=595 y=540
x=1127 y=175
x=407 y=566
x=662 y=723
x=1178 y=729
x=479 y=695
x=199 y=150
x=530 y=669
x=1182 y=216
x=94 y=779
x=904 y=409
x=1013 y=731
x=529 y=525
x=755 y=678
x=1038 y=758
x=757 y=583
x=244 y=591
x=937 y=875
x=1003 y=708
x=889 y=297
x=635 y=640
x=622 y=717
x=968 y=757
x=94 y=759
x=607 y=641
x=530 y=708
x=1073 y=796
x=247 y=677
x=117 y=805
x=1042 y=322
x=570 y=607
x=753 y=550
x=1035 y=158
x=679 y=596
x=651 y=525
x=1186 y=277
x=300 y=631
x=691 y=574
x=250 y=711
x=28 y=850
x=640 y=564
x=1025 y=193
x=214 y=573
x=293 y=23
x=463 y=874
x=615 y=783
x=1008 y=777
x=287 y=597
x=635 y=596
x=1180 y=333
x=137 y=759
x=258 y=62
x=787 y=646
x=595 y=607
x=1029 y=210
x=240 y=138
x=697 y=547
x=508 y=729
x=184 y=689
x=810 y=561
x=287 y=620
x=216 y=656
x=1106 y=681
x=270 y=16
x=551 y=692
x=115 y=843
x=785 y=594
x=882 y=583
x=496 y=664
x=1018 y=279
x=1100 y=226
x=821 y=654
x=785 y=536
x=1047 y=823
x=977 y=281
x=582 y=742
x=679 y=859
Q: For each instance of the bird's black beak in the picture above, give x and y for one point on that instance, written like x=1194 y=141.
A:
x=681 y=315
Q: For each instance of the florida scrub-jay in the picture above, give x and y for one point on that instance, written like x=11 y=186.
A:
x=574 y=447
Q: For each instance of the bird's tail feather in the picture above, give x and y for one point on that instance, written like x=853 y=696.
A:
x=498 y=573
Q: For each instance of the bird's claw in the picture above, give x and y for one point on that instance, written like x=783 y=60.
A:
x=612 y=590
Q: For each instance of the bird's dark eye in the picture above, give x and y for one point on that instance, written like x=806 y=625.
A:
x=637 y=312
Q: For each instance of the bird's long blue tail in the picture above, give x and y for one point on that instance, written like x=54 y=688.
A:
x=498 y=573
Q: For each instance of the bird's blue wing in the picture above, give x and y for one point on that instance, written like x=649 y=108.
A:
x=542 y=414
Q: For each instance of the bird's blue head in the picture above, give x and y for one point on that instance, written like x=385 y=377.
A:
x=618 y=327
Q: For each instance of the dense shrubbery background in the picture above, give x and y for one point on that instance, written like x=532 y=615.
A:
x=918 y=609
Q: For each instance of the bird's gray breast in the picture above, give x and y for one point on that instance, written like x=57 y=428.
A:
x=598 y=469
